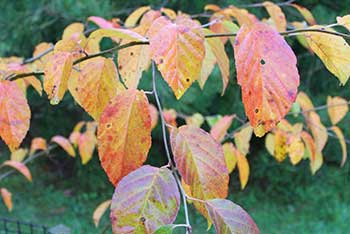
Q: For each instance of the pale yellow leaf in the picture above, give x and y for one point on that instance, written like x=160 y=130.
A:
x=337 y=108
x=338 y=132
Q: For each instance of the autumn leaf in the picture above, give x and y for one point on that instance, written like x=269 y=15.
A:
x=229 y=218
x=168 y=12
x=318 y=130
x=103 y=23
x=215 y=48
x=100 y=210
x=277 y=15
x=87 y=142
x=178 y=50
x=337 y=108
x=295 y=149
x=267 y=74
x=338 y=132
x=18 y=155
x=154 y=115
x=134 y=17
x=305 y=13
x=310 y=146
x=142 y=194
x=201 y=163
x=38 y=143
x=20 y=167
x=7 y=198
x=333 y=50
x=242 y=16
x=133 y=60
x=280 y=145
x=73 y=30
x=242 y=139
x=243 y=168
x=230 y=156
x=170 y=116
x=43 y=47
x=124 y=134
x=96 y=84
x=14 y=114
x=219 y=130
x=196 y=119
x=65 y=144
x=57 y=73
x=344 y=21
x=270 y=143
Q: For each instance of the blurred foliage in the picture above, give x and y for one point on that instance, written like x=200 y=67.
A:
x=272 y=186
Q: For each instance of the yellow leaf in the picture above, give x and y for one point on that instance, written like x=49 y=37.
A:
x=132 y=19
x=344 y=21
x=242 y=139
x=318 y=130
x=73 y=30
x=243 y=168
x=7 y=198
x=208 y=65
x=96 y=84
x=277 y=16
x=39 y=49
x=301 y=38
x=270 y=143
x=230 y=156
x=342 y=142
x=57 y=72
x=333 y=50
x=242 y=16
x=337 y=108
x=19 y=155
x=196 y=120
x=217 y=48
x=304 y=102
x=310 y=151
x=178 y=50
x=212 y=7
x=295 y=149
x=87 y=143
x=168 y=12
x=100 y=210
x=316 y=165
x=280 y=145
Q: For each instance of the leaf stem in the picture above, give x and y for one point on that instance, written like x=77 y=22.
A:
x=166 y=147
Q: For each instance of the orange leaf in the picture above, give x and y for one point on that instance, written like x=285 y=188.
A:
x=342 y=142
x=38 y=143
x=96 y=85
x=277 y=16
x=267 y=74
x=57 y=72
x=337 y=108
x=100 y=210
x=124 y=134
x=201 y=163
x=65 y=144
x=219 y=130
x=22 y=168
x=7 y=198
x=14 y=114
x=178 y=50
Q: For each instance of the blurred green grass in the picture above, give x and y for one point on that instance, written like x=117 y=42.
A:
x=281 y=198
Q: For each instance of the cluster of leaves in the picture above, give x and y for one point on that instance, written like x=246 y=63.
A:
x=147 y=198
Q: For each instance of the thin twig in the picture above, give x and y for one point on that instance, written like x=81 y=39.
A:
x=167 y=151
x=29 y=159
x=287 y=3
x=30 y=60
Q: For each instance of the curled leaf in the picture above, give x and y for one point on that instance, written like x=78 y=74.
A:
x=21 y=167
x=7 y=198
x=65 y=144
x=100 y=210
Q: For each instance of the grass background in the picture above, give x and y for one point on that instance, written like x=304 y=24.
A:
x=281 y=198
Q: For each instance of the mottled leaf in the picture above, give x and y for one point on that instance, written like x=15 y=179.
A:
x=100 y=210
x=201 y=163
x=65 y=144
x=96 y=85
x=124 y=134
x=280 y=145
x=57 y=73
x=267 y=74
x=22 y=168
x=337 y=108
x=14 y=114
x=230 y=218
x=144 y=200
x=178 y=50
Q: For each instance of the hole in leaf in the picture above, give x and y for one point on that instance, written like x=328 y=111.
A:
x=262 y=62
x=188 y=79
x=109 y=125
x=142 y=220
x=256 y=110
